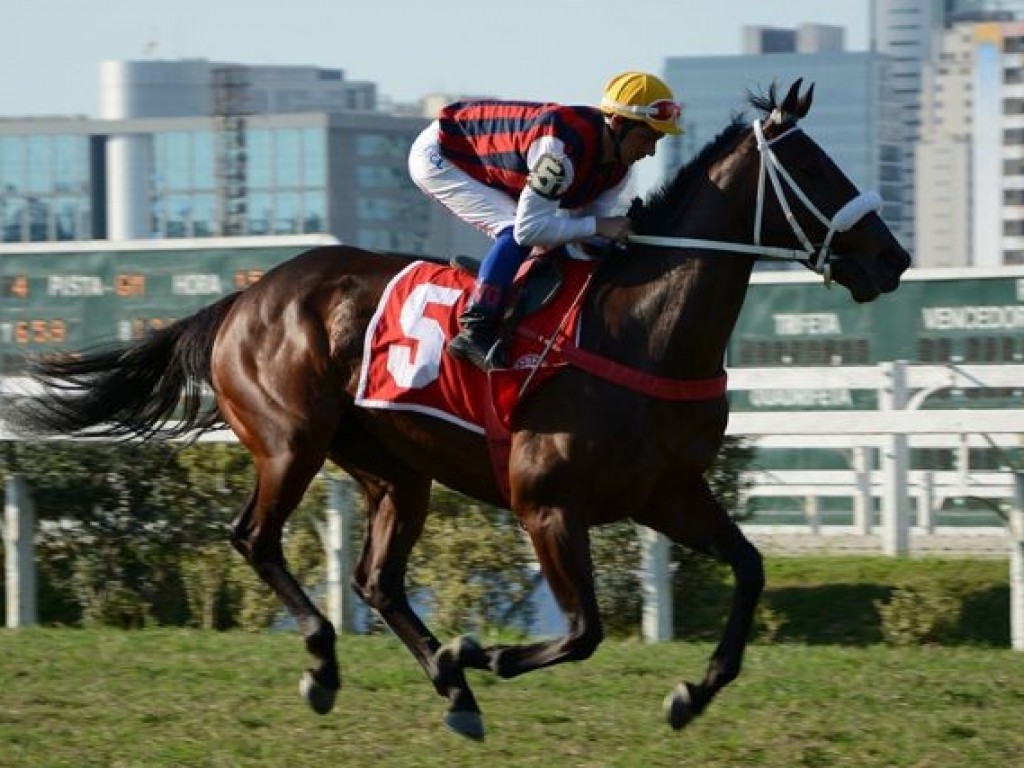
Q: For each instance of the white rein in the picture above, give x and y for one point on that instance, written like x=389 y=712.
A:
x=818 y=259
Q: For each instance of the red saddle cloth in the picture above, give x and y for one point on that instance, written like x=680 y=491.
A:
x=405 y=367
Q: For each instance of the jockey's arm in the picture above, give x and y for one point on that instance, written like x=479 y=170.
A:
x=609 y=209
x=540 y=221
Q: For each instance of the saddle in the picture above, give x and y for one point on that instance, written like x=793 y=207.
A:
x=537 y=283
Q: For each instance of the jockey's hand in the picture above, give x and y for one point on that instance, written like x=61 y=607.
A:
x=617 y=228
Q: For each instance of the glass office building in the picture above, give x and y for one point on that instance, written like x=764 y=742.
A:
x=46 y=184
x=182 y=151
x=286 y=190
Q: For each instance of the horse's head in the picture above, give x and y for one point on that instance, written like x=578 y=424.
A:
x=804 y=198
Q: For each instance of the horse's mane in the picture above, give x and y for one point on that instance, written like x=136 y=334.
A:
x=663 y=204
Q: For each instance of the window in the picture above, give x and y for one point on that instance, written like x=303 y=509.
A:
x=203 y=164
x=314 y=211
x=69 y=164
x=179 y=216
x=1013 y=106
x=44 y=188
x=286 y=214
x=40 y=164
x=314 y=158
x=286 y=157
x=261 y=212
x=260 y=154
x=204 y=215
x=377 y=145
x=178 y=161
x=890 y=154
x=12 y=163
x=66 y=218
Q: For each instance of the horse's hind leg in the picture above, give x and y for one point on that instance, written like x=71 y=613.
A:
x=696 y=519
x=397 y=507
x=281 y=481
x=562 y=545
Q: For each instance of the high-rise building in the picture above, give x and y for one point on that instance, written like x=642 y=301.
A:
x=943 y=155
x=948 y=83
x=853 y=117
x=970 y=157
x=908 y=32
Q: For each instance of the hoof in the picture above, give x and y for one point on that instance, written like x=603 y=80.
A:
x=319 y=697
x=465 y=723
x=679 y=707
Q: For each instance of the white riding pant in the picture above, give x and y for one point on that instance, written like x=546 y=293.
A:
x=486 y=208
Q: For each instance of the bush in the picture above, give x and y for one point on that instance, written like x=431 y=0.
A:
x=615 y=550
x=768 y=623
x=918 y=615
x=472 y=566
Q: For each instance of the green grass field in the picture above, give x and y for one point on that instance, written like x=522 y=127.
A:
x=185 y=698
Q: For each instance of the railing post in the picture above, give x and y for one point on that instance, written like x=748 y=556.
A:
x=812 y=514
x=656 y=585
x=338 y=547
x=1017 y=564
x=895 y=507
x=863 y=500
x=926 y=503
x=19 y=553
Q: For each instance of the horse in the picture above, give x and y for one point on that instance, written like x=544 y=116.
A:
x=283 y=357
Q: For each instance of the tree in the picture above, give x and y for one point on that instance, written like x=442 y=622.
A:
x=136 y=533
x=108 y=531
x=473 y=565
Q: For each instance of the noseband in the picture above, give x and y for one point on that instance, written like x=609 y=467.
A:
x=818 y=259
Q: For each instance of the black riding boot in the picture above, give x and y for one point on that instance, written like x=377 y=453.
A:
x=479 y=324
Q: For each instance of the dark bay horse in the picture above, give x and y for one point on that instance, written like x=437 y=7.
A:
x=283 y=359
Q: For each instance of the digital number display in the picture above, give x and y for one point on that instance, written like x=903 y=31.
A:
x=15 y=286
x=34 y=331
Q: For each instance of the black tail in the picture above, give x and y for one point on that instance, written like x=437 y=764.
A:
x=152 y=388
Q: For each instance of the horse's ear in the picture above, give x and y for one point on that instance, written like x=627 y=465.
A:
x=791 y=103
x=804 y=103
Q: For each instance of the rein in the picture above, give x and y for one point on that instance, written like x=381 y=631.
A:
x=772 y=169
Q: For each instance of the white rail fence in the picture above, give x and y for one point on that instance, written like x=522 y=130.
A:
x=894 y=427
x=898 y=423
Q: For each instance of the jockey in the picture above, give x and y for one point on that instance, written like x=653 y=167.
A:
x=531 y=174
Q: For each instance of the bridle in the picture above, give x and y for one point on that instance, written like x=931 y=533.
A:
x=772 y=169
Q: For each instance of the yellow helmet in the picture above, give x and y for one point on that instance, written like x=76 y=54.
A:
x=640 y=96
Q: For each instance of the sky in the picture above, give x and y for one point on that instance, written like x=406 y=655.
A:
x=545 y=50
x=551 y=50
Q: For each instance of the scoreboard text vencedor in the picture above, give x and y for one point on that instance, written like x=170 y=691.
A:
x=937 y=316
x=66 y=299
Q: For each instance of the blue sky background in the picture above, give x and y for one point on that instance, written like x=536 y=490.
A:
x=559 y=50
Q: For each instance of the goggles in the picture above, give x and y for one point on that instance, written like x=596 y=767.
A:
x=662 y=110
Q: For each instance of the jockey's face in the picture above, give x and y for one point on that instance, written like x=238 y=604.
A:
x=636 y=141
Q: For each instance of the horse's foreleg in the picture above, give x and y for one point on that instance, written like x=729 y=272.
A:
x=562 y=545
x=397 y=512
x=256 y=533
x=701 y=523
